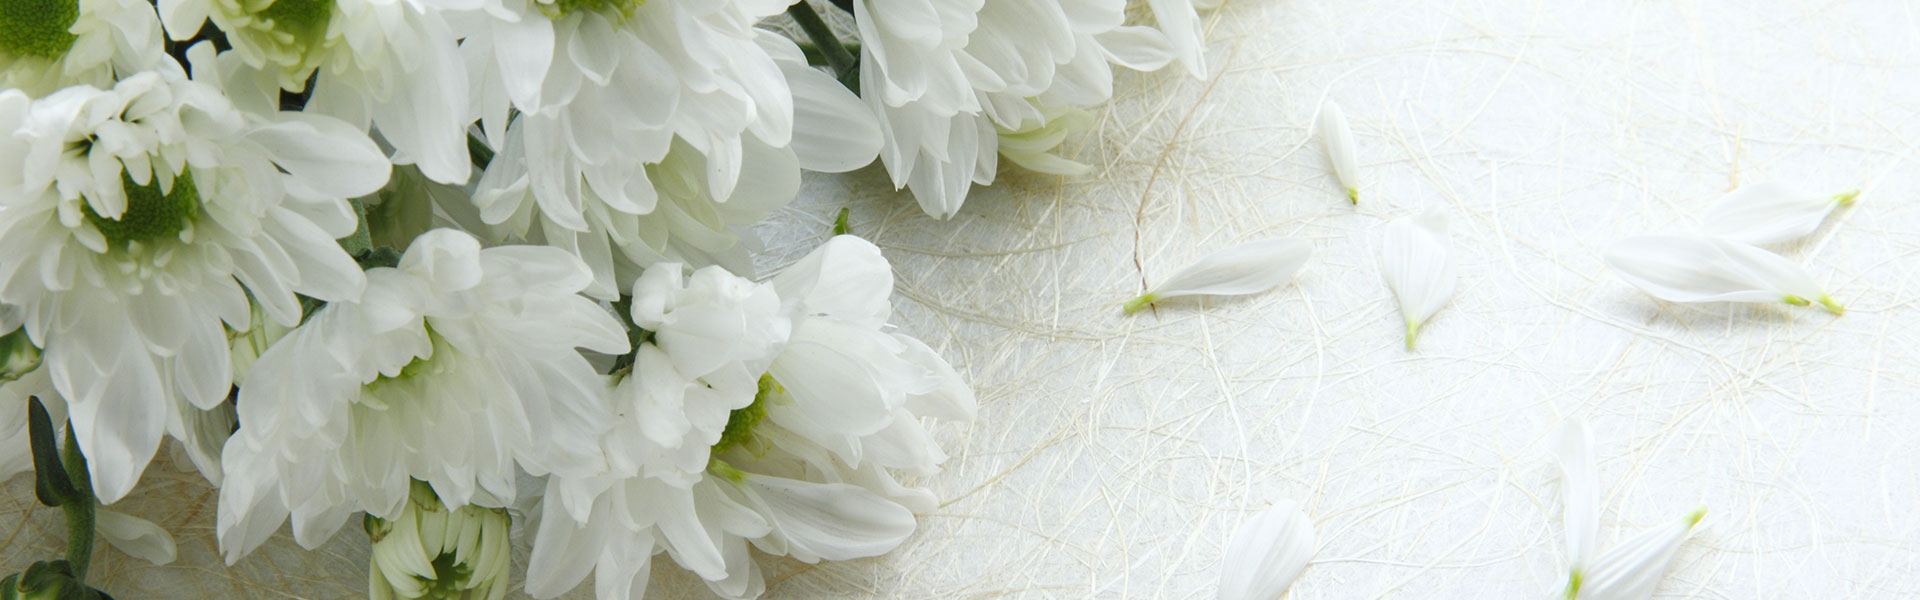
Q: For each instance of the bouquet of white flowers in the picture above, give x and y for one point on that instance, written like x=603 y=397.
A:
x=449 y=264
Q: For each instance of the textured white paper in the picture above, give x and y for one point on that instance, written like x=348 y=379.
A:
x=1114 y=455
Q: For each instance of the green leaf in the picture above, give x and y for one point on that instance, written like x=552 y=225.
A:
x=840 y=223
x=50 y=483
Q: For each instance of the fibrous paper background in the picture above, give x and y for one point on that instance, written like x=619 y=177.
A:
x=1113 y=455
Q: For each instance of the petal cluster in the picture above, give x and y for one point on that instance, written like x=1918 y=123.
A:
x=1723 y=260
x=1633 y=568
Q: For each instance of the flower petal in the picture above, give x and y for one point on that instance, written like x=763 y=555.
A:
x=1415 y=262
x=1632 y=570
x=137 y=537
x=1248 y=268
x=1267 y=553
x=830 y=521
x=1338 y=138
x=1768 y=212
x=1580 y=488
x=1682 y=268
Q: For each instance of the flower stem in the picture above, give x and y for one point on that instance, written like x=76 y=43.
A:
x=846 y=67
x=1138 y=302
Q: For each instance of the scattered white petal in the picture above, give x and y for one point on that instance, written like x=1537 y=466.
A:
x=1248 y=268
x=1632 y=570
x=1768 y=212
x=1415 y=262
x=137 y=537
x=1682 y=268
x=1338 y=138
x=1580 y=487
x=1267 y=553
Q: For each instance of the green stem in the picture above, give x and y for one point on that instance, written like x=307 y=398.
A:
x=846 y=67
x=478 y=152
x=79 y=509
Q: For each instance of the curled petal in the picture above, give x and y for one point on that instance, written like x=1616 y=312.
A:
x=1768 y=212
x=1248 y=268
x=1632 y=570
x=1338 y=138
x=1267 y=553
x=135 y=536
x=1415 y=262
x=1682 y=268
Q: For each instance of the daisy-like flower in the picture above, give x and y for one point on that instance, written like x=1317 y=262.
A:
x=391 y=64
x=1248 y=268
x=1418 y=268
x=625 y=184
x=796 y=460
x=1337 y=136
x=458 y=368
x=46 y=45
x=1632 y=569
x=135 y=219
x=1685 y=268
x=1267 y=553
x=1768 y=213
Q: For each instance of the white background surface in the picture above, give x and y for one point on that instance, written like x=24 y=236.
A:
x=1114 y=455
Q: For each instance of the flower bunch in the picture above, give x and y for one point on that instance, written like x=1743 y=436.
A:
x=437 y=261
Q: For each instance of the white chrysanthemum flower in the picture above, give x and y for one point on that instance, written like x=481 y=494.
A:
x=1768 y=213
x=1684 y=268
x=137 y=216
x=1418 y=267
x=439 y=552
x=389 y=64
x=457 y=368
x=796 y=462
x=46 y=45
x=1248 y=268
x=624 y=192
x=1266 y=553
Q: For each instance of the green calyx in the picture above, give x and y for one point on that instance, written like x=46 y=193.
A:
x=38 y=27
x=151 y=214
x=741 y=421
x=623 y=9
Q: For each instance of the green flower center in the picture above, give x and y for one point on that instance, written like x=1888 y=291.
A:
x=305 y=19
x=740 y=422
x=37 y=27
x=151 y=214
x=559 y=9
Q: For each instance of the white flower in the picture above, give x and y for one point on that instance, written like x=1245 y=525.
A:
x=1248 y=268
x=458 y=368
x=1417 y=266
x=1337 y=136
x=1768 y=212
x=1266 y=553
x=433 y=551
x=625 y=191
x=1632 y=569
x=391 y=64
x=46 y=45
x=136 y=217
x=1680 y=268
x=795 y=460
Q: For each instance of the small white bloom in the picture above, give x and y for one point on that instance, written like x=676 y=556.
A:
x=46 y=45
x=1769 y=212
x=1248 y=268
x=433 y=551
x=1417 y=266
x=1683 y=268
x=458 y=368
x=1337 y=136
x=141 y=220
x=1633 y=568
x=1266 y=553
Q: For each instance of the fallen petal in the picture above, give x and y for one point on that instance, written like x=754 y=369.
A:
x=1267 y=553
x=1415 y=262
x=1768 y=212
x=1632 y=570
x=1338 y=138
x=1682 y=268
x=1248 y=268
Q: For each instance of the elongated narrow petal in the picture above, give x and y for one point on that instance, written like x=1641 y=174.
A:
x=1580 y=488
x=1338 y=138
x=1267 y=553
x=1632 y=570
x=1768 y=212
x=1248 y=268
x=1415 y=262
x=135 y=536
x=1681 y=268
